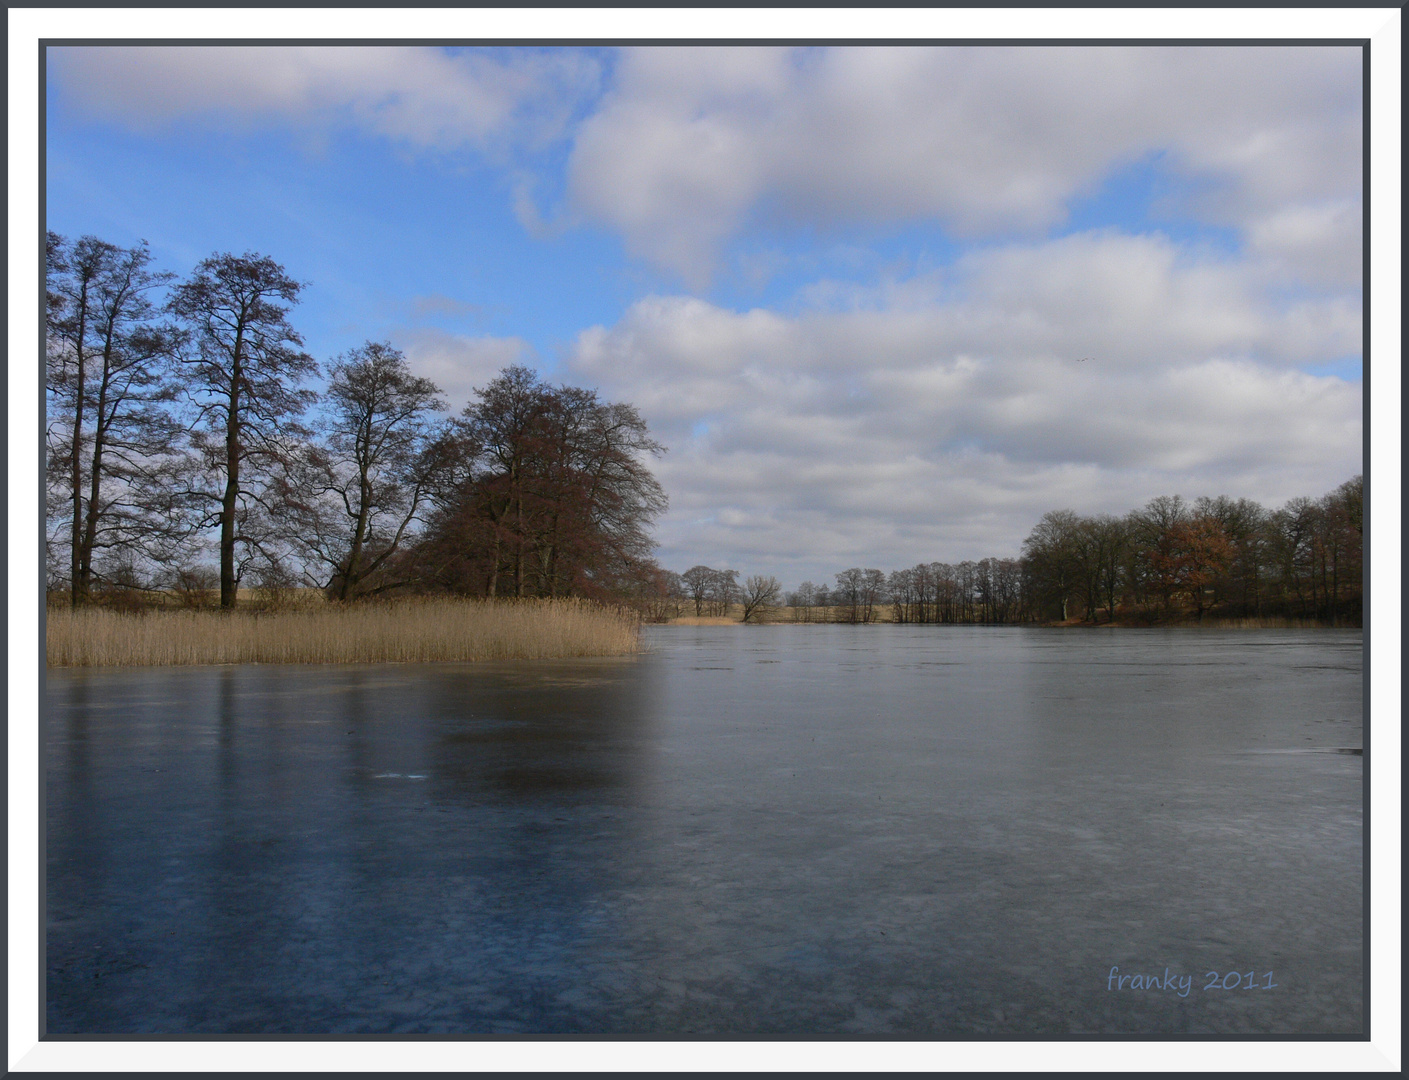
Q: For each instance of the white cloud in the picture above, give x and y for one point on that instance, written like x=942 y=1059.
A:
x=458 y=363
x=689 y=143
x=933 y=416
x=427 y=97
x=689 y=147
x=1318 y=243
x=942 y=417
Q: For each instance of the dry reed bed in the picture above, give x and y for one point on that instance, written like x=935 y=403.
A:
x=1263 y=622
x=405 y=632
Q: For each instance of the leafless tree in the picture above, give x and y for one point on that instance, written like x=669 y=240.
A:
x=873 y=593
x=723 y=589
x=1340 y=542
x=848 y=594
x=1290 y=532
x=110 y=439
x=1087 y=555
x=698 y=580
x=243 y=377
x=358 y=491
x=1007 y=578
x=1111 y=537
x=922 y=583
x=946 y=592
x=903 y=596
x=660 y=596
x=1244 y=522
x=802 y=602
x=1151 y=531
x=555 y=495
x=760 y=595
x=1051 y=560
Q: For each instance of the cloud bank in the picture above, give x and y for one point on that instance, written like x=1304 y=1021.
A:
x=682 y=148
x=939 y=419
x=690 y=144
x=458 y=363
x=432 y=99
x=928 y=415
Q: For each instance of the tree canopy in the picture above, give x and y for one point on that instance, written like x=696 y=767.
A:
x=186 y=421
x=556 y=498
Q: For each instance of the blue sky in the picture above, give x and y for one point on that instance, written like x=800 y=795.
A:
x=849 y=288
x=372 y=230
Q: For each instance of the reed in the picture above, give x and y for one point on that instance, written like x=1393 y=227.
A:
x=413 y=631
x=1263 y=622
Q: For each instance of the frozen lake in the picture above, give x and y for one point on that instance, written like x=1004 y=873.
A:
x=921 y=831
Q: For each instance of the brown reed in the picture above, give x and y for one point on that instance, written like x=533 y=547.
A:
x=408 y=631
x=1263 y=622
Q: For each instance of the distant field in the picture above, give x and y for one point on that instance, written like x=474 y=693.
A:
x=403 y=632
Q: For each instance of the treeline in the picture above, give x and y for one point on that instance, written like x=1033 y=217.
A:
x=1301 y=561
x=189 y=454
x=1168 y=561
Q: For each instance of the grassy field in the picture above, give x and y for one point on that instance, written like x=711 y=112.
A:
x=411 y=631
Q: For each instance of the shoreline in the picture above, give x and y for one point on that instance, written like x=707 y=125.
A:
x=1222 y=623
x=440 y=631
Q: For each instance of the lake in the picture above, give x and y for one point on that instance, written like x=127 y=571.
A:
x=793 y=830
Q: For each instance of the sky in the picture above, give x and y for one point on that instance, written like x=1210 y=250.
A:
x=882 y=305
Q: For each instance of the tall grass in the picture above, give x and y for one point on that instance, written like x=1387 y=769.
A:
x=402 y=632
x=1263 y=622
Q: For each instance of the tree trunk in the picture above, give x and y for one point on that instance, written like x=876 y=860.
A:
x=354 y=557
x=232 y=480
x=90 y=531
x=1335 y=583
x=518 y=551
x=75 y=585
x=493 y=589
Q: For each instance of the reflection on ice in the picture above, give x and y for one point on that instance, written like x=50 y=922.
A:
x=909 y=830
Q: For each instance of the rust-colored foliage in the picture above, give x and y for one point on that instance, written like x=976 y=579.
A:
x=555 y=498
x=1190 y=556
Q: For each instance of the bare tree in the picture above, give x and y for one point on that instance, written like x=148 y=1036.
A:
x=660 y=595
x=243 y=379
x=364 y=486
x=555 y=494
x=873 y=593
x=760 y=595
x=903 y=596
x=605 y=475
x=1112 y=538
x=1087 y=559
x=848 y=593
x=723 y=588
x=858 y=592
x=1244 y=523
x=1051 y=559
x=502 y=425
x=802 y=602
x=1190 y=557
x=1007 y=589
x=1340 y=542
x=106 y=391
x=1152 y=533
x=698 y=581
